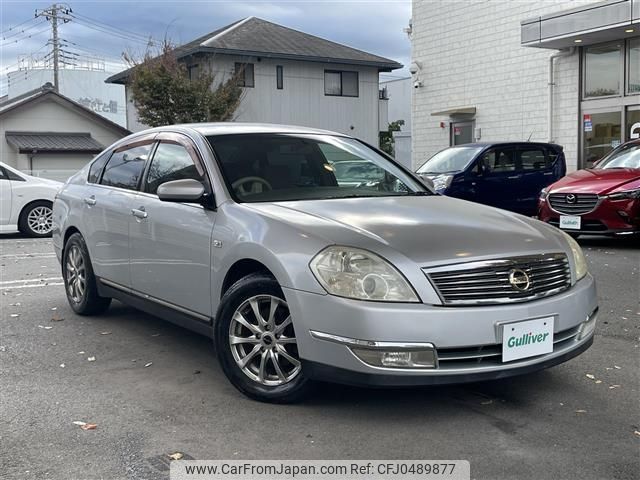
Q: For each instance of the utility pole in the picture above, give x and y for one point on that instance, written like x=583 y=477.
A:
x=54 y=13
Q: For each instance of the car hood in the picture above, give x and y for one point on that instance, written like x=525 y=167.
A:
x=428 y=230
x=600 y=181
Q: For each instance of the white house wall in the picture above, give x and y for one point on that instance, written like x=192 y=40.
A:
x=302 y=100
x=49 y=116
x=470 y=55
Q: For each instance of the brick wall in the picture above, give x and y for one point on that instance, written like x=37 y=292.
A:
x=470 y=55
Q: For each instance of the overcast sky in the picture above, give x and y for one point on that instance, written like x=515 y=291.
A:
x=370 y=25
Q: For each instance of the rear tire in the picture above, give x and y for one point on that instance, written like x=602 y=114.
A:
x=264 y=342
x=36 y=219
x=79 y=279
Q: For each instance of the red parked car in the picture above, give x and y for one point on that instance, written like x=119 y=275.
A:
x=603 y=200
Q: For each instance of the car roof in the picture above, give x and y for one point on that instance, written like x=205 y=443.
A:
x=505 y=142
x=229 y=128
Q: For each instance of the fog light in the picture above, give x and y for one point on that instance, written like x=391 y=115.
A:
x=588 y=326
x=397 y=359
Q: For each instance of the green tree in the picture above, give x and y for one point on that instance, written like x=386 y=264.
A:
x=164 y=94
x=386 y=138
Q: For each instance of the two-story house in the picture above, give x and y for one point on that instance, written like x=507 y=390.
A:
x=289 y=77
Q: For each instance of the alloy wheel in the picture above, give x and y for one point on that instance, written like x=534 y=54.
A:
x=40 y=220
x=263 y=342
x=76 y=274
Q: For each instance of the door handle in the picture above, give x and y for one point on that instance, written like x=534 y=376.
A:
x=139 y=212
x=513 y=177
x=90 y=200
x=548 y=173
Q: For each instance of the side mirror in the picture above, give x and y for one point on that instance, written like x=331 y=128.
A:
x=187 y=191
x=427 y=181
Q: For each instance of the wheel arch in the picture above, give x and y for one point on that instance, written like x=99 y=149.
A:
x=240 y=269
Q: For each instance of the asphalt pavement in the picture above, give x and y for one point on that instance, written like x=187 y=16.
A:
x=154 y=389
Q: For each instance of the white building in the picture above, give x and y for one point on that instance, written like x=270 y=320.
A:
x=47 y=134
x=485 y=68
x=398 y=94
x=290 y=77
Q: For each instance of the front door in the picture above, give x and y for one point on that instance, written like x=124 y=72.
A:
x=5 y=198
x=171 y=242
x=461 y=133
x=107 y=213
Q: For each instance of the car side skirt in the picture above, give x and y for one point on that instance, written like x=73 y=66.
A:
x=180 y=316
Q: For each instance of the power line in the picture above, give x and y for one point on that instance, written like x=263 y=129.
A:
x=112 y=33
x=5 y=37
x=24 y=38
x=17 y=25
x=78 y=16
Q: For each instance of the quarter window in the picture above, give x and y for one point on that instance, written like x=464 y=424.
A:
x=170 y=162
x=244 y=74
x=341 y=84
x=96 y=167
x=125 y=167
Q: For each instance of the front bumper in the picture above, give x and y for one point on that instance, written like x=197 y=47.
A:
x=608 y=218
x=466 y=339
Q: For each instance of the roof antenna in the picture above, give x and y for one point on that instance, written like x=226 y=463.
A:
x=530 y=135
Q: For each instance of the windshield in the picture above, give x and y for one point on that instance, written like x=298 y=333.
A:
x=280 y=167
x=454 y=159
x=627 y=156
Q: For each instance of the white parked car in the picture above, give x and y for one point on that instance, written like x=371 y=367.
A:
x=26 y=202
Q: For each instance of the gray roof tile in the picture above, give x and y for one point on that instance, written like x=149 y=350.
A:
x=27 y=142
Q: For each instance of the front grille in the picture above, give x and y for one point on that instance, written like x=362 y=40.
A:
x=518 y=279
x=573 y=203
x=487 y=355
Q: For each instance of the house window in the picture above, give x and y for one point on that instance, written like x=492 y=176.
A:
x=244 y=73
x=602 y=70
x=341 y=84
x=192 y=71
x=279 y=79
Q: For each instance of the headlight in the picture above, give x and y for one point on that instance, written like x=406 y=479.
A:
x=543 y=194
x=625 y=195
x=361 y=275
x=442 y=181
x=578 y=258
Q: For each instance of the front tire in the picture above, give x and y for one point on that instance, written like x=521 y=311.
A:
x=36 y=219
x=79 y=279
x=256 y=344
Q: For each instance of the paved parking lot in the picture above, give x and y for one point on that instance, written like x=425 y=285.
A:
x=155 y=389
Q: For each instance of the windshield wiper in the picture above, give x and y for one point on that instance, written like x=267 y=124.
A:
x=421 y=193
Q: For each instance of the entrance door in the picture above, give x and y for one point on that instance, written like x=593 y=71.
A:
x=602 y=132
x=461 y=133
x=632 y=129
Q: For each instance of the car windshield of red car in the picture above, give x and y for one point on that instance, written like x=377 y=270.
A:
x=626 y=157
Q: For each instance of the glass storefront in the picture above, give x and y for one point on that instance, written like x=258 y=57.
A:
x=610 y=108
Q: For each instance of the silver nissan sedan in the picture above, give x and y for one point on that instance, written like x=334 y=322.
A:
x=247 y=233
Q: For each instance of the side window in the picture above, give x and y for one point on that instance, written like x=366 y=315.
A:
x=170 y=162
x=3 y=176
x=125 y=167
x=96 y=167
x=534 y=159
x=499 y=160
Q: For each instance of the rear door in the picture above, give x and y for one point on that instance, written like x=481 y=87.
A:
x=500 y=181
x=5 y=197
x=108 y=203
x=536 y=163
x=171 y=242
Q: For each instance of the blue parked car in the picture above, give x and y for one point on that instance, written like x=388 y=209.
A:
x=508 y=175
